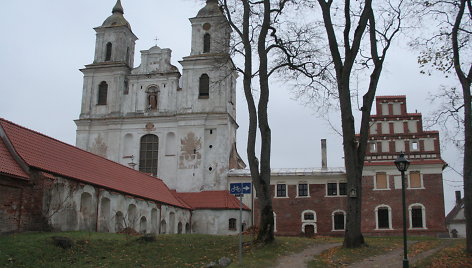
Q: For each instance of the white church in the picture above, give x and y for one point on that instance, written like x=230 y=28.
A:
x=178 y=127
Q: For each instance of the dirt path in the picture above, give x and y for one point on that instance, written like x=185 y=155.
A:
x=299 y=260
x=394 y=259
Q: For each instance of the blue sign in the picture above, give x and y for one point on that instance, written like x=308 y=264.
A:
x=240 y=188
x=247 y=187
x=235 y=188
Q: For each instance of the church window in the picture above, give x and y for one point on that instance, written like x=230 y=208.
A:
x=102 y=93
x=148 y=154
x=108 y=52
x=126 y=89
x=204 y=87
x=206 y=43
x=232 y=224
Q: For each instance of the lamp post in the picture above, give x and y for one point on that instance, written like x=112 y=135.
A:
x=402 y=165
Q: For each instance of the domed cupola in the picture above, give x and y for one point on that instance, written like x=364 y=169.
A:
x=211 y=9
x=116 y=19
x=115 y=39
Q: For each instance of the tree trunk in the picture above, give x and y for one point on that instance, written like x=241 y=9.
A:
x=465 y=80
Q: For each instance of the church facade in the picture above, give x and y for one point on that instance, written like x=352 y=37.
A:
x=180 y=127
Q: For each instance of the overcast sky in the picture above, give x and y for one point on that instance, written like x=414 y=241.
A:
x=45 y=43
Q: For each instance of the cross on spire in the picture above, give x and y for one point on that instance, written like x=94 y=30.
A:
x=156 y=39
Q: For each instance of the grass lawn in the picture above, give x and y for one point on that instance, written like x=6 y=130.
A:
x=119 y=250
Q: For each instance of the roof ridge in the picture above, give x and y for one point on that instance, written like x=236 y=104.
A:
x=72 y=146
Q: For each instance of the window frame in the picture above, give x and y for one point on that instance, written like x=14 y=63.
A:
x=389 y=213
x=423 y=216
x=387 y=182
x=338 y=189
x=232 y=224
x=102 y=93
x=307 y=190
x=277 y=190
x=409 y=180
x=204 y=86
x=142 y=152
x=333 y=221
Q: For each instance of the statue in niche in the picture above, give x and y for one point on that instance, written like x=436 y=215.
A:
x=152 y=98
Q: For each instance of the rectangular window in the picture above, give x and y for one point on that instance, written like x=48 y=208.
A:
x=415 y=179
x=416 y=218
x=232 y=224
x=339 y=221
x=302 y=189
x=414 y=146
x=332 y=189
x=397 y=180
x=382 y=218
x=342 y=188
x=381 y=181
x=281 y=190
x=373 y=147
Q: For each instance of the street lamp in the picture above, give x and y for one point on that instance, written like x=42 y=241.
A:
x=402 y=165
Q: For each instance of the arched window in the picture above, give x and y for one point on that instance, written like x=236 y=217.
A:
x=206 y=43
x=170 y=144
x=102 y=93
x=308 y=216
x=132 y=216
x=187 y=228
x=204 y=87
x=232 y=224
x=417 y=216
x=172 y=223
x=119 y=221
x=179 y=228
x=104 y=214
x=142 y=225
x=154 y=220
x=148 y=151
x=163 y=227
x=152 y=98
x=108 y=52
x=383 y=217
x=339 y=220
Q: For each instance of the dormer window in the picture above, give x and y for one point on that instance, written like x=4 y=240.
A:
x=108 y=51
x=206 y=43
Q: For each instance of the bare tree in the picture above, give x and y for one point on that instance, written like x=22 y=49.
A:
x=359 y=35
x=256 y=25
x=448 y=48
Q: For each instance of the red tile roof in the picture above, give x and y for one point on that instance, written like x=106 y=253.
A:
x=53 y=156
x=211 y=200
x=8 y=165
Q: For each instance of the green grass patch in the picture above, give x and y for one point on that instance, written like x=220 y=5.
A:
x=119 y=250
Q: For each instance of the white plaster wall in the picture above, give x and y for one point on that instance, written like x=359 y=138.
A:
x=180 y=215
x=460 y=227
x=206 y=221
x=68 y=217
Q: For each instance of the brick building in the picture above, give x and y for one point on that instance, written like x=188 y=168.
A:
x=310 y=201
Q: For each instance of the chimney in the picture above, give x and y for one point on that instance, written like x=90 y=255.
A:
x=458 y=197
x=324 y=158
